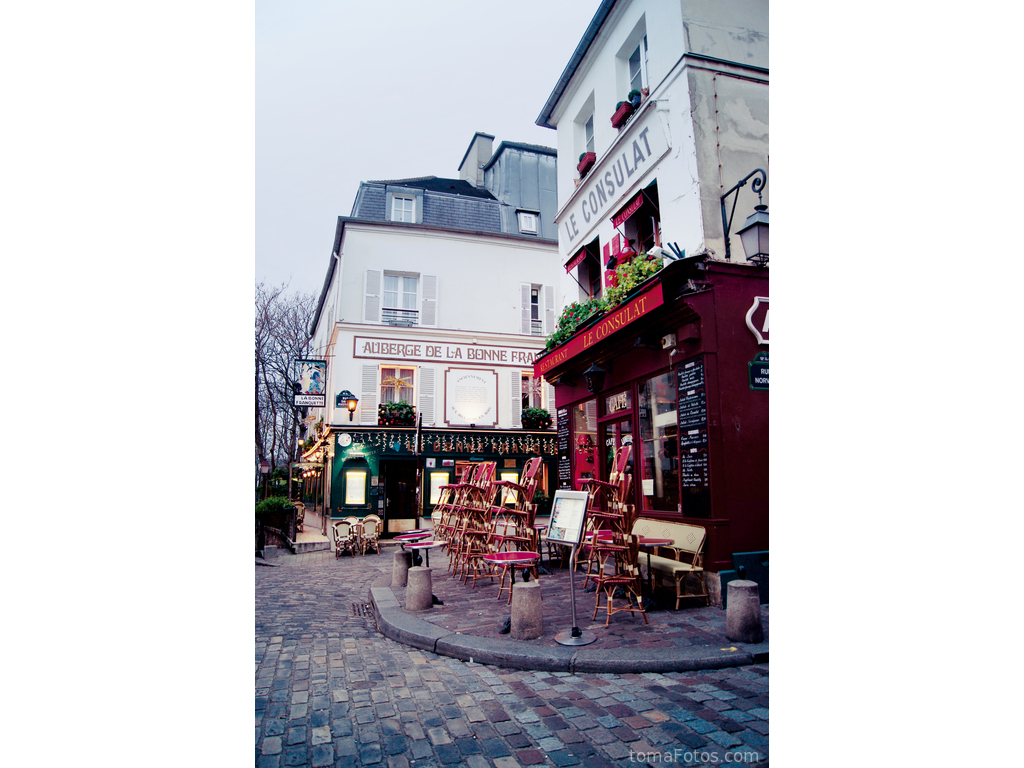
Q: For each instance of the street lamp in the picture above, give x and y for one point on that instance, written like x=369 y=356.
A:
x=754 y=235
x=593 y=377
x=760 y=224
x=347 y=399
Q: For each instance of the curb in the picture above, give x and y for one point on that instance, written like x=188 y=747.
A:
x=394 y=622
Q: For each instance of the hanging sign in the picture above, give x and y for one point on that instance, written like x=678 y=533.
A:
x=628 y=211
x=576 y=260
x=757 y=318
x=312 y=378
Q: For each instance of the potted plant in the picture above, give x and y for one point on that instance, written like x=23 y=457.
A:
x=634 y=97
x=536 y=418
x=399 y=414
x=622 y=112
x=587 y=160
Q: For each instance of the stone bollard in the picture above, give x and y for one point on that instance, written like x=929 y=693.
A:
x=743 y=613
x=419 y=594
x=527 y=617
x=400 y=568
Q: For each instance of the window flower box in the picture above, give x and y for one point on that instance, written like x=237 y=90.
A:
x=622 y=114
x=399 y=414
x=587 y=160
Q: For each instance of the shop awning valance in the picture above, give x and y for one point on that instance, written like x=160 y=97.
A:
x=576 y=260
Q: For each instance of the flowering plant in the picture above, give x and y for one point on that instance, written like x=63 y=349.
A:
x=629 y=275
x=572 y=316
x=399 y=414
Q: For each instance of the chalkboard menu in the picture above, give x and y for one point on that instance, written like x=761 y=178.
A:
x=693 y=424
x=562 y=440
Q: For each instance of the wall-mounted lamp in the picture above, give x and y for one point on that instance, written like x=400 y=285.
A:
x=593 y=377
x=347 y=399
x=755 y=235
x=757 y=185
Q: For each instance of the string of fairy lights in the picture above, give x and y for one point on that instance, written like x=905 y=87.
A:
x=439 y=443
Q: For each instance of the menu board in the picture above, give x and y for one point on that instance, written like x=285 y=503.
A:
x=568 y=510
x=562 y=441
x=693 y=424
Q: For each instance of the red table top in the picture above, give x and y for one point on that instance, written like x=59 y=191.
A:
x=414 y=535
x=650 y=541
x=424 y=544
x=511 y=557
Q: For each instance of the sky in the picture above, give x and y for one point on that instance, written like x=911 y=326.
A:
x=352 y=91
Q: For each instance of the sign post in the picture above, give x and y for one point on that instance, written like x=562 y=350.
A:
x=568 y=511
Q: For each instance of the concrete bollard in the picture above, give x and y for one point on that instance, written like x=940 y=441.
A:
x=527 y=617
x=743 y=613
x=419 y=594
x=400 y=568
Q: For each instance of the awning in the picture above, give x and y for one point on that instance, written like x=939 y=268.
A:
x=576 y=260
x=628 y=211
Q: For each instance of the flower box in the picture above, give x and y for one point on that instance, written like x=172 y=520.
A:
x=622 y=114
x=586 y=163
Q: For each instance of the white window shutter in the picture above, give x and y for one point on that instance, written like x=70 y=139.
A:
x=368 y=396
x=549 y=398
x=426 y=399
x=525 y=289
x=428 y=308
x=371 y=296
x=549 y=310
x=516 y=385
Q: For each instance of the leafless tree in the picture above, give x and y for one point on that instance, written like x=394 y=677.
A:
x=282 y=337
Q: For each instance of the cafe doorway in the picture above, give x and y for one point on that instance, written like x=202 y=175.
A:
x=401 y=503
x=616 y=430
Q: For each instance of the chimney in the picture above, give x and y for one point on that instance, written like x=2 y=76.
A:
x=479 y=152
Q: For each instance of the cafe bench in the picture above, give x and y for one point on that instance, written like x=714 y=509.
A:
x=680 y=559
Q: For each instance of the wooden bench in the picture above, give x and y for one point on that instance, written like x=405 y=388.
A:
x=679 y=560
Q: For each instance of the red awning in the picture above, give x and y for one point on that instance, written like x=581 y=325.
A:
x=628 y=211
x=576 y=260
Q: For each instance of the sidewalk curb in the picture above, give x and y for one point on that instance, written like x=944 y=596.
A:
x=396 y=623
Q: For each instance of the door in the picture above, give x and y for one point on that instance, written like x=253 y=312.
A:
x=400 y=504
x=616 y=430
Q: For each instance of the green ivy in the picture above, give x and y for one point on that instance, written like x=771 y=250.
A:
x=536 y=418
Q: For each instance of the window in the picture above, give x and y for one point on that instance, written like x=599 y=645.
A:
x=536 y=327
x=399 y=301
x=588 y=134
x=638 y=66
x=532 y=389
x=403 y=208
x=396 y=384
x=659 y=438
x=527 y=223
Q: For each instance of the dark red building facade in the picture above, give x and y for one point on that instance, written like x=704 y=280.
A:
x=684 y=362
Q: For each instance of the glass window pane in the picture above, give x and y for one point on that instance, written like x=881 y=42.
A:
x=437 y=479
x=355 y=487
x=659 y=440
x=584 y=426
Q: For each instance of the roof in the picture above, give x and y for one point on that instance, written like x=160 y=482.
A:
x=570 y=69
x=435 y=184
x=536 y=148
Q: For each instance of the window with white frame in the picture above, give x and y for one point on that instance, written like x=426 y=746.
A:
x=398 y=305
x=588 y=134
x=527 y=223
x=396 y=384
x=536 y=326
x=532 y=391
x=638 y=66
x=403 y=208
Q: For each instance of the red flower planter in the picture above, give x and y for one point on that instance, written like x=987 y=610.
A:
x=586 y=163
x=622 y=115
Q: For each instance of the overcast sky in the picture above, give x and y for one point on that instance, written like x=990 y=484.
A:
x=351 y=91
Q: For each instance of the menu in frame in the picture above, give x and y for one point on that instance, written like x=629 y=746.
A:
x=693 y=424
x=562 y=443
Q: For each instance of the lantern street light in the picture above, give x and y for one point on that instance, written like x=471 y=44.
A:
x=759 y=224
x=754 y=235
x=593 y=377
x=347 y=399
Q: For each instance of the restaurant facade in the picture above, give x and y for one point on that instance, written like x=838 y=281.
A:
x=665 y=105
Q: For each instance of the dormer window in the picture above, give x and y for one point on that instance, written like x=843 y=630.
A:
x=528 y=224
x=403 y=208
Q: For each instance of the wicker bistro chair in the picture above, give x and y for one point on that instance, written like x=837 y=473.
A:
x=476 y=531
x=619 y=570
x=369 y=531
x=455 y=514
x=609 y=499
x=512 y=523
x=345 y=539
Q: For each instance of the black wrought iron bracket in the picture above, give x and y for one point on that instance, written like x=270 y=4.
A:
x=756 y=185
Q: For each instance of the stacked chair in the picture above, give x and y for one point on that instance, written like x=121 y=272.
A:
x=608 y=510
x=511 y=526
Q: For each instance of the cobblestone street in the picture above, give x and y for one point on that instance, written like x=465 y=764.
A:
x=332 y=691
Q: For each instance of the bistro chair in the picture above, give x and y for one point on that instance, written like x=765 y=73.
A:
x=370 y=534
x=345 y=539
x=621 y=551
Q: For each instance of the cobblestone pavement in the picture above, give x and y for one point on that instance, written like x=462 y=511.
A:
x=332 y=691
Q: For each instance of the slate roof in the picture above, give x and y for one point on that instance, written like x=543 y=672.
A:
x=435 y=184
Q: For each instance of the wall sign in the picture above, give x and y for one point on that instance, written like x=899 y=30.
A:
x=693 y=424
x=758 y=370
x=562 y=443
x=471 y=397
x=430 y=352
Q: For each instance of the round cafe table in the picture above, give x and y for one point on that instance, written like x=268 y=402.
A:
x=426 y=546
x=410 y=537
x=507 y=561
x=649 y=543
